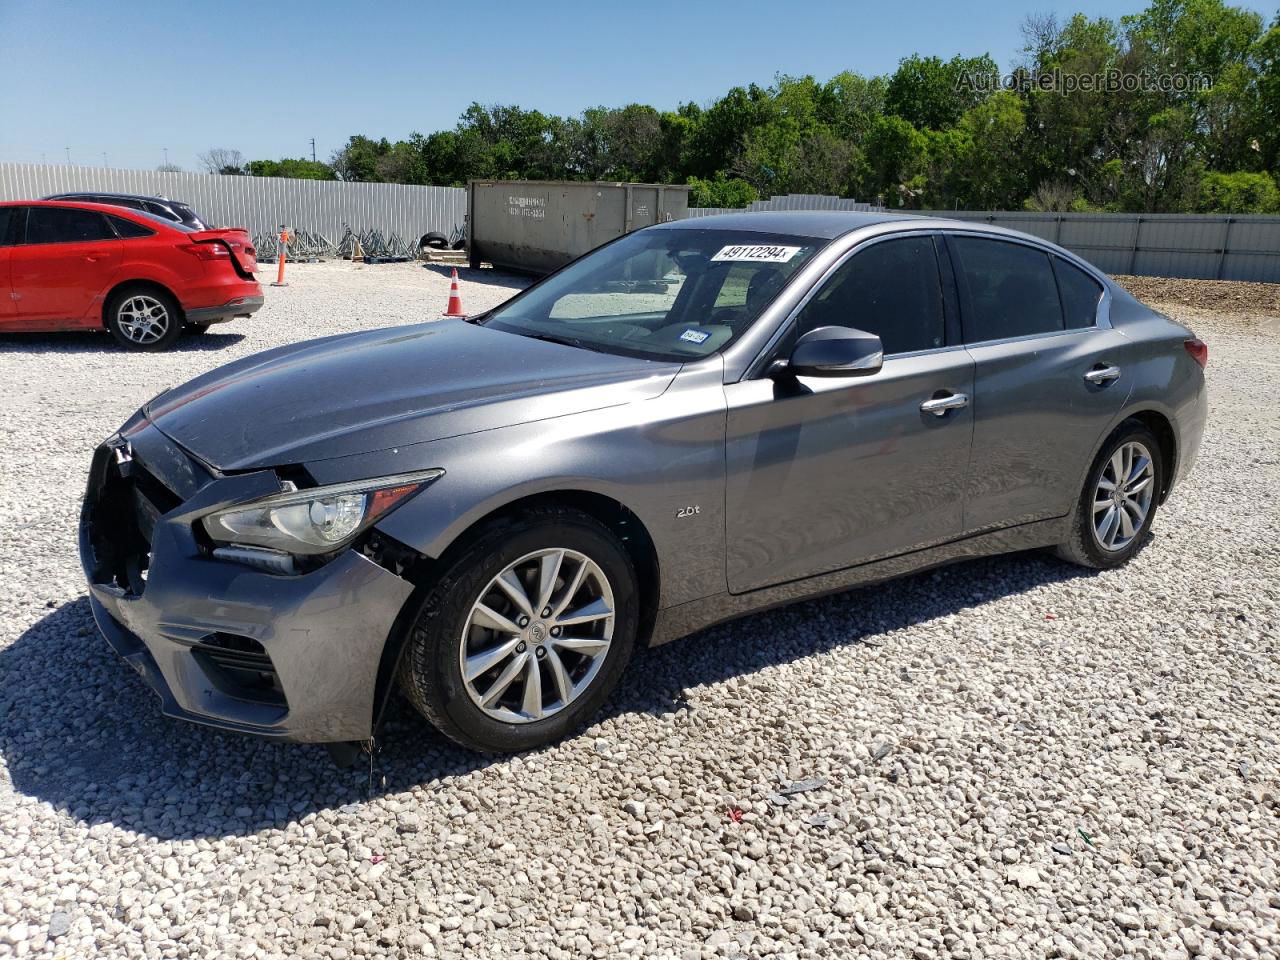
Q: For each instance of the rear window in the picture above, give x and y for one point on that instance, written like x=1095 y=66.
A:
x=1080 y=295
x=64 y=225
x=1011 y=291
x=189 y=216
x=129 y=229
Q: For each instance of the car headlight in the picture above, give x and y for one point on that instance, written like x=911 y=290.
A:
x=316 y=520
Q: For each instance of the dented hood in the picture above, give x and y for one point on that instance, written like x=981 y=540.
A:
x=356 y=393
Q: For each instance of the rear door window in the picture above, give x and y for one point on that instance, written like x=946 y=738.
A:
x=1008 y=289
x=65 y=225
x=1080 y=295
x=129 y=229
x=892 y=289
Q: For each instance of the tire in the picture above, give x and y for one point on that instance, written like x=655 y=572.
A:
x=1086 y=546
x=130 y=307
x=196 y=329
x=448 y=627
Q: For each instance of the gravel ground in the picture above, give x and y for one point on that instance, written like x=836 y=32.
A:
x=1005 y=758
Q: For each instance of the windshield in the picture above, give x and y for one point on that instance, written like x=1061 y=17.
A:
x=661 y=294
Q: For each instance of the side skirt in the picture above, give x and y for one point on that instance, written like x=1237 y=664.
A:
x=680 y=621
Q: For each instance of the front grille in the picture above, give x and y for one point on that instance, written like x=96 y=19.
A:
x=240 y=667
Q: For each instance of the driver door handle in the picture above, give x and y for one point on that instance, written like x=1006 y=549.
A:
x=1103 y=374
x=939 y=406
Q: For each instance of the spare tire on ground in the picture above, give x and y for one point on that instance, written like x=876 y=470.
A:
x=436 y=241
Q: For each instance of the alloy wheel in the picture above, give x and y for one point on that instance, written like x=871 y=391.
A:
x=1122 y=498
x=537 y=635
x=143 y=319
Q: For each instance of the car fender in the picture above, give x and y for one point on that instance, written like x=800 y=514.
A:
x=662 y=459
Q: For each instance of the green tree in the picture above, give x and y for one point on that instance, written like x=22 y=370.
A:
x=299 y=169
x=720 y=192
x=1239 y=192
x=931 y=94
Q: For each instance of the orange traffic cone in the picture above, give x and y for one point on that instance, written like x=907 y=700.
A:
x=454 y=309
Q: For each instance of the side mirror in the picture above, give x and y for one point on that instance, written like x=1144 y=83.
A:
x=833 y=352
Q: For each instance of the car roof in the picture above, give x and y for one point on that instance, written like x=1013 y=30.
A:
x=107 y=193
x=820 y=224
x=128 y=213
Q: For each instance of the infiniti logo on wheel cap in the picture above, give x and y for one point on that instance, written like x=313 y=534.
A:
x=538 y=631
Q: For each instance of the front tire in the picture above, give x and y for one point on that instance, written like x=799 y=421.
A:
x=525 y=635
x=144 y=318
x=1118 y=504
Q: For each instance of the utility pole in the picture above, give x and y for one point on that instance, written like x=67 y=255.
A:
x=166 y=155
x=68 y=149
x=313 y=149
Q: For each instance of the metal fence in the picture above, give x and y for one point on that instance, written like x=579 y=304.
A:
x=260 y=203
x=1191 y=246
x=789 y=201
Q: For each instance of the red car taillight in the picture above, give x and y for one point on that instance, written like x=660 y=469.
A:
x=205 y=251
x=1198 y=349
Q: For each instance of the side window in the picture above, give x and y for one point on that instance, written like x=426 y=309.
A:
x=65 y=225
x=6 y=220
x=161 y=211
x=128 y=229
x=891 y=289
x=1011 y=290
x=1080 y=295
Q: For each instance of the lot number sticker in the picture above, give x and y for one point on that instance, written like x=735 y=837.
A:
x=695 y=336
x=755 y=253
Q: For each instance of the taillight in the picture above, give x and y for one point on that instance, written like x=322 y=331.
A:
x=1198 y=349
x=205 y=251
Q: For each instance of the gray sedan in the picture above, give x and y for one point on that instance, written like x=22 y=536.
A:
x=694 y=422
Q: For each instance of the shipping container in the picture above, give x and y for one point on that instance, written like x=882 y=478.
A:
x=537 y=226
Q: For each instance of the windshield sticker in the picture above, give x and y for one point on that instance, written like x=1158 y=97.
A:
x=755 y=253
x=695 y=336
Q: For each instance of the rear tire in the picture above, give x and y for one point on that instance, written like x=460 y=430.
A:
x=1111 y=522
x=144 y=318
x=557 y=674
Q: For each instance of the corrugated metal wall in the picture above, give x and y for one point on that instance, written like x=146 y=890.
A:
x=1193 y=246
x=790 y=201
x=260 y=203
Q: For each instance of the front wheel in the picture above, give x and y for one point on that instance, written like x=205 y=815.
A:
x=524 y=636
x=144 y=318
x=1119 y=501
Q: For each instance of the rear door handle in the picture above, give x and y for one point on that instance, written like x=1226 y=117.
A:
x=939 y=406
x=1103 y=374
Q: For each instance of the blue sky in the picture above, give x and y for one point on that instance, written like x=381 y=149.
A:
x=130 y=78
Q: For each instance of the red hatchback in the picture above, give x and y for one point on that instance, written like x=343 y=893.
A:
x=88 y=266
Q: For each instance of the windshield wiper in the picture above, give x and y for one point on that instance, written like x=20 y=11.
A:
x=564 y=341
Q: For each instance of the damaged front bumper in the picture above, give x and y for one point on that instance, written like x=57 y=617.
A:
x=292 y=657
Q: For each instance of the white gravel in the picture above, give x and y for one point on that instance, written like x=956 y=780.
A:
x=1007 y=758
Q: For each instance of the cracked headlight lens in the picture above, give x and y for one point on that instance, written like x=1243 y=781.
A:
x=316 y=520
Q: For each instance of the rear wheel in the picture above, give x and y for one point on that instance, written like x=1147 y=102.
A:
x=1119 y=501
x=144 y=318
x=524 y=636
